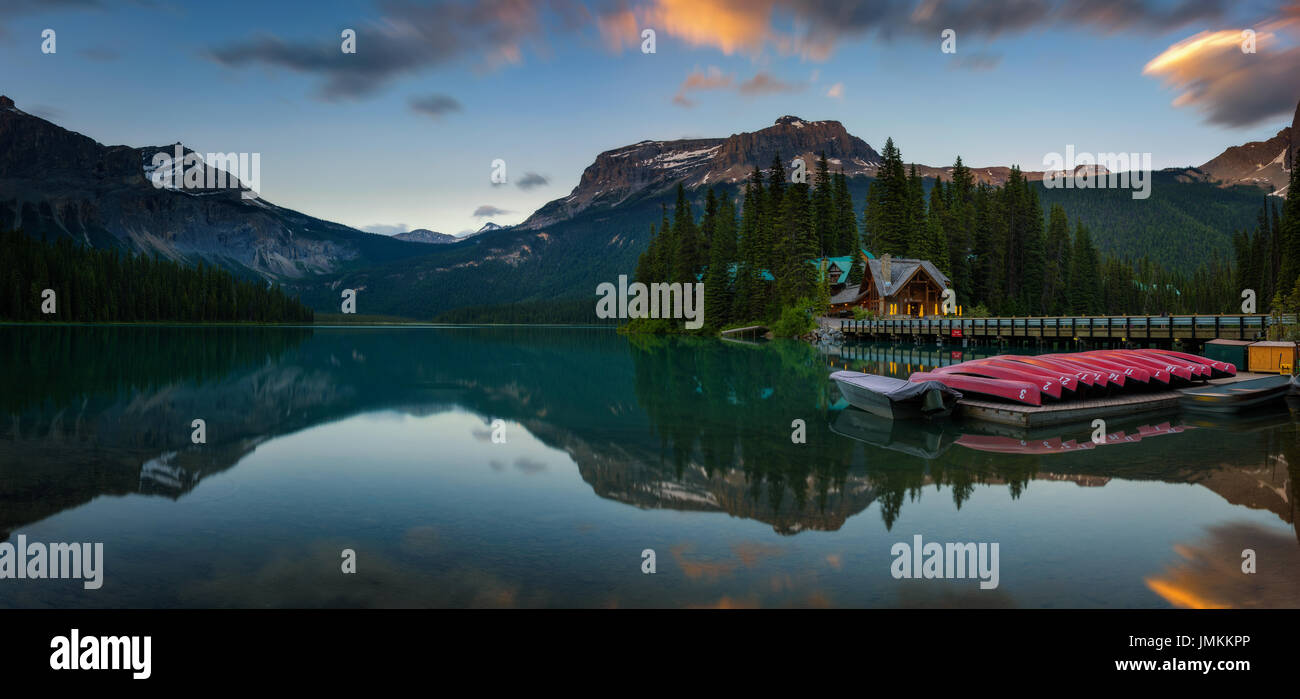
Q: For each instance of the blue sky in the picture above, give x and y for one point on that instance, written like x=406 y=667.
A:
x=546 y=86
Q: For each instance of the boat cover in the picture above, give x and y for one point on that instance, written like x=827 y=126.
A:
x=897 y=390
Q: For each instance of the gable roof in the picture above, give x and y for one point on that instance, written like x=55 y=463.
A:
x=902 y=269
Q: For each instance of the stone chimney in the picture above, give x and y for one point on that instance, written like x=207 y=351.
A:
x=885 y=277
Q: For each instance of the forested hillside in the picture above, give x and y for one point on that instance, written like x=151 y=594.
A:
x=106 y=285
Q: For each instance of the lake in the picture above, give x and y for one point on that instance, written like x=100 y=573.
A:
x=533 y=467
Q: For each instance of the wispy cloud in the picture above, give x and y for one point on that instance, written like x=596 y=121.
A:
x=434 y=106
x=101 y=53
x=531 y=180
x=697 y=80
x=488 y=210
x=836 y=91
x=408 y=38
x=764 y=83
x=386 y=229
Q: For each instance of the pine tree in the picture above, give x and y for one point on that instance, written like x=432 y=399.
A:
x=1085 y=287
x=822 y=208
x=1056 y=256
x=1290 y=233
x=685 y=265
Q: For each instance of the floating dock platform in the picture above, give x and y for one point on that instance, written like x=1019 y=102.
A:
x=1077 y=411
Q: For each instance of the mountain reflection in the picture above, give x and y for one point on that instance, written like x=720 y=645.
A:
x=679 y=423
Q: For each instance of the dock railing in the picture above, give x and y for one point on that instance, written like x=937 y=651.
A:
x=1123 y=328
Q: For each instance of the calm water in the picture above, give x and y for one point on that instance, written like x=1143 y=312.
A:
x=381 y=441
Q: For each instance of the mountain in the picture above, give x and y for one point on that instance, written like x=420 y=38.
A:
x=57 y=183
x=1258 y=163
x=424 y=235
x=651 y=166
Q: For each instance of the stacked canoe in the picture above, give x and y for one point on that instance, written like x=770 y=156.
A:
x=1035 y=379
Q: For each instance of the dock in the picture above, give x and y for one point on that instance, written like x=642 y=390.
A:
x=1081 y=411
x=1191 y=330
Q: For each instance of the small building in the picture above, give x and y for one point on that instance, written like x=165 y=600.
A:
x=894 y=286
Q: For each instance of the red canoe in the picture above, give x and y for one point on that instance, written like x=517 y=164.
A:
x=1218 y=369
x=1129 y=371
x=1171 y=366
x=1114 y=376
x=1018 y=391
x=1088 y=377
x=1068 y=380
x=1047 y=384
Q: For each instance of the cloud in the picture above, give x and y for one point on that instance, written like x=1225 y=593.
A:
x=836 y=91
x=529 y=466
x=812 y=28
x=531 y=180
x=1229 y=87
x=761 y=83
x=697 y=80
x=976 y=61
x=434 y=106
x=386 y=229
x=488 y=210
x=101 y=53
x=764 y=83
x=408 y=38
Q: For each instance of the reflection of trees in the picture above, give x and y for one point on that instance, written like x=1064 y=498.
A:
x=719 y=404
x=59 y=365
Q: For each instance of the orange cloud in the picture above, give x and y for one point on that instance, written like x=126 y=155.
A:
x=1232 y=82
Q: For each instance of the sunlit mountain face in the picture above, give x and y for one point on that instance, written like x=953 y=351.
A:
x=533 y=467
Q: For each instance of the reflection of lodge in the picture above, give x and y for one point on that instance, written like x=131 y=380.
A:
x=892 y=286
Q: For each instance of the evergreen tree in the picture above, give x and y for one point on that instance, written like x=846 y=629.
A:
x=822 y=208
x=1056 y=257
x=685 y=265
x=1085 y=281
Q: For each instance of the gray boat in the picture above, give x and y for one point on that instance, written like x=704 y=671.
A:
x=1236 y=396
x=895 y=398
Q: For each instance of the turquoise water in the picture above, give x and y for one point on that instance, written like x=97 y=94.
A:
x=381 y=441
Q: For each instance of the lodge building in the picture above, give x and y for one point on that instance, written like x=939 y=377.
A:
x=890 y=286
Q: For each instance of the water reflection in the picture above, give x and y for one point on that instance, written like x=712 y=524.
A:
x=682 y=424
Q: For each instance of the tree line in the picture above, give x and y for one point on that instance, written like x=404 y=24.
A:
x=106 y=285
x=1003 y=254
x=755 y=263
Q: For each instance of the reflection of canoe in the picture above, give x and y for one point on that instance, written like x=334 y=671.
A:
x=1011 y=445
x=927 y=440
x=895 y=398
x=1058 y=444
x=1233 y=397
x=1006 y=389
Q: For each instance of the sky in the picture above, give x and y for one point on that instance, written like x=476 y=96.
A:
x=403 y=133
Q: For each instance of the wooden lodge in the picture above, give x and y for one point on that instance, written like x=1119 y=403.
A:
x=891 y=286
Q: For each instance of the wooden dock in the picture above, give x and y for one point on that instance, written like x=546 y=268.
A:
x=1080 y=411
x=1187 y=329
